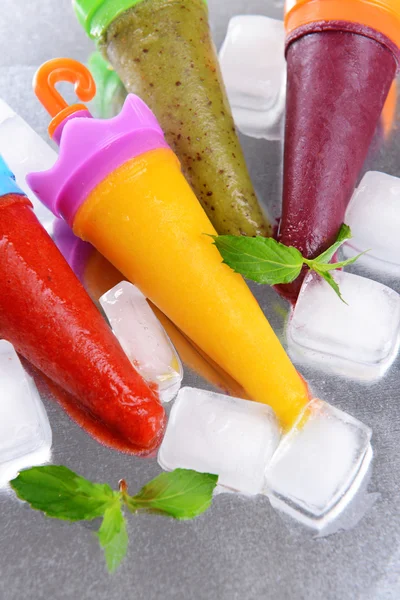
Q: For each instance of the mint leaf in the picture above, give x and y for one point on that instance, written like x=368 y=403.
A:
x=343 y=235
x=329 y=279
x=260 y=259
x=182 y=494
x=334 y=266
x=62 y=494
x=113 y=536
x=323 y=270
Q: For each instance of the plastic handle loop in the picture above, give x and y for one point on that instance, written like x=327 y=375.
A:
x=44 y=85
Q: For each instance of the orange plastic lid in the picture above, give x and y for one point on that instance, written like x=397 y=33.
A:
x=380 y=15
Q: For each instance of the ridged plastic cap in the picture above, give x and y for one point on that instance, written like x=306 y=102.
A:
x=379 y=15
x=96 y=15
x=7 y=180
x=91 y=149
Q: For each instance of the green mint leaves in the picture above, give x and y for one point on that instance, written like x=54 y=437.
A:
x=113 y=536
x=62 y=494
x=184 y=496
x=267 y=261
x=263 y=260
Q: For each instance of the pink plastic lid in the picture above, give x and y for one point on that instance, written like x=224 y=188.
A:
x=91 y=149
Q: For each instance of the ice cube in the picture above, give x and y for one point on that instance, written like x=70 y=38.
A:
x=229 y=437
x=374 y=218
x=319 y=466
x=143 y=338
x=359 y=339
x=253 y=66
x=24 y=151
x=25 y=434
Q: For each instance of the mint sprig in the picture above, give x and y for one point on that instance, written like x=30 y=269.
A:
x=62 y=494
x=266 y=261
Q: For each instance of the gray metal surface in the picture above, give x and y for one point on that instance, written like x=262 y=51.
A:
x=241 y=548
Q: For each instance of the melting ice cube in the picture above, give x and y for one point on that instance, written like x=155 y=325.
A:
x=24 y=151
x=374 y=218
x=319 y=467
x=253 y=66
x=359 y=339
x=143 y=338
x=25 y=434
x=229 y=437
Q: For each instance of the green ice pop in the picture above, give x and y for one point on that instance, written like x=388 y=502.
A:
x=163 y=52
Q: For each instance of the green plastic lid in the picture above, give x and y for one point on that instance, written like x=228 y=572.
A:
x=96 y=15
x=103 y=73
x=108 y=85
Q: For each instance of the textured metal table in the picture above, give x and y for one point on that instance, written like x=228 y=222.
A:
x=241 y=548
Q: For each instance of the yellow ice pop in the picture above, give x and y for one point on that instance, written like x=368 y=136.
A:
x=120 y=187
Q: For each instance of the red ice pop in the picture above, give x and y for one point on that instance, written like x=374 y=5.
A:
x=49 y=318
x=341 y=59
